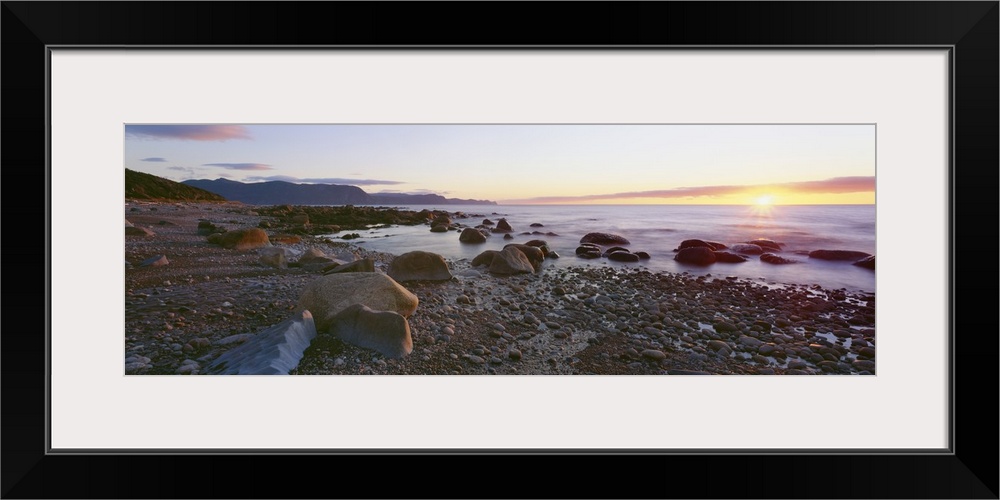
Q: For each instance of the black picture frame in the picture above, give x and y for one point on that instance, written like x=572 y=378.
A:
x=970 y=28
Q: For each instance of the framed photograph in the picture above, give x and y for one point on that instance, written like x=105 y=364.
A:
x=865 y=132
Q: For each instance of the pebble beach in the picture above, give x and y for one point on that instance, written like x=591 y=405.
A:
x=201 y=300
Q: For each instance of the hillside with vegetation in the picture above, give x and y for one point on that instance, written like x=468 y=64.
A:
x=142 y=186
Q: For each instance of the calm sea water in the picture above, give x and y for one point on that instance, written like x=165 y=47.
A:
x=658 y=229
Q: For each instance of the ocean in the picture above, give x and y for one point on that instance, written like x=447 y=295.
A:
x=658 y=230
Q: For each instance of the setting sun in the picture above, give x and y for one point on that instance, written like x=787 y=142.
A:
x=765 y=200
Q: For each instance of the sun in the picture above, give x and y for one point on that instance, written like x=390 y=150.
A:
x=765 y=200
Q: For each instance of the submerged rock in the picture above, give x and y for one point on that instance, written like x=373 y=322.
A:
x=867 y=262
x=604 y=239
x=701 y=256
x=838 y=255
x=729 y=257
x=770 y=258
x=747 y=249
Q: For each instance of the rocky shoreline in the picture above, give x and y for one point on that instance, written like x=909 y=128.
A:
x=207 y=299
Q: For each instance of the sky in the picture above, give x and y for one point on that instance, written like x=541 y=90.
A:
x=530 y=164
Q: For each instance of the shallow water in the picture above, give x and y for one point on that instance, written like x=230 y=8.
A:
x=658 y=229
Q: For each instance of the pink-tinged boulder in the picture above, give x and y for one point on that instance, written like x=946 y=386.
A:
x=511 y=260
x=503 y=227
x=867 y=262
x=729 y=257
x=419 y=266
x=485 y=258
x=327 y=295
x=770 y=258
x=699 y=256
x=838 y=255
x=472 y=235
x=747 y=249
x=604 y=239
x=244 y=239
x=534 y=254
x=384 y=331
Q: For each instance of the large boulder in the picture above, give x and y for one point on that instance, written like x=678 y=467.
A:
x=503 y=227
x=694 y=244
x=244 y=239
x=472 y=235
x=604 y=239
x=276 y=257
x=838 y=255
x=730 y=257
x=623 y=256
x=485 y=258
x=440 y=228
x=770 y=258
x=511 y=260
x=384 y=331
x=699 y=256
x=366 y=265
x=419 y=266
x=747 y=249
x=314 y=255
x=327 y=295
x=534 y=254
x=867 y=262
x=275 y=351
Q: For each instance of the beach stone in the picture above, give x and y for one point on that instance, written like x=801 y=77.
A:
x=154 y=261
x=717 y=345
x=274 y=351
x=750 y=341
x=701 y=256
x=687 y=372
x=642 y=255
x=765 y=243
x=867 y=352
x=487 y=222
x=867 y=263
x=276 y=257
x=327 y=295
x=747 y=249
x=387 y=332
x=621 y=256
x=511 y=260
x=244 y=239
x=729 y=257
x=440 y=228
x=654 y=354
x=767 y=349
x=864 y=365
x=508 y=237
x=503 y=227
x=590 y=255
x=514 y=354
x=797 y=364
x=419 y=266
x=485 y=258
x=838 y=255
x=604 y=239
x=534 y=254
x=366 y=265
x=313 y=255
x=694 y=244
x=770 y=258
x=471 y=235
x=138 y=231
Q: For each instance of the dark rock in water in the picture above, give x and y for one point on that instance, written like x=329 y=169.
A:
x=747 y=249
x=384 y=331
x=419 y=266
x=730 y=257
x=503 y=227
x=694 y=244
x=158 y=260
x=588 y=248
x=508 y=237
x=275 y=351
x=485 y=258
x=511 y=260
x=471 y=235
x=642 y=255
x=351 y=236
x=838 y=255
x=441 y=220
x=604 y=239
x=552 y=255
x=867 y=262
x=614 y=249
x=701 y=256
x=589 y=255
x=366 y=265
x=770 y=258
x=542 y=245
x=440 y=228
x=623 y=257
x=487 y=222
x=535 y=224
x=716 y=245
x=763 y=243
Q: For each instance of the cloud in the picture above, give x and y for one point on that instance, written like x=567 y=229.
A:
x=187 y=170
x=240 y=166
x=154 y=158
x=188 y=132
x=835 y=185
x=322 y=180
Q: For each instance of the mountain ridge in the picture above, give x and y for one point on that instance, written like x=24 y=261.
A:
x=288 y=193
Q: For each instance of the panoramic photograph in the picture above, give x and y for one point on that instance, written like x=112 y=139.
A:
x=499 y=249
